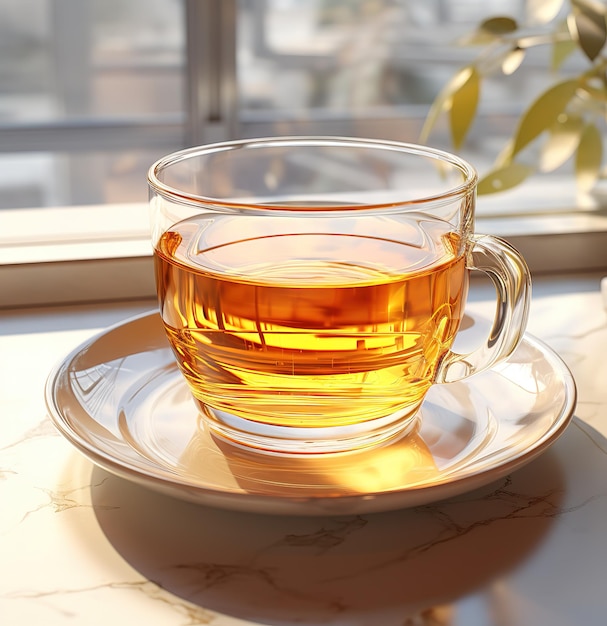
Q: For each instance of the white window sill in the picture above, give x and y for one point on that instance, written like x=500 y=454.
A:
x=103 y=253
x=75 y=254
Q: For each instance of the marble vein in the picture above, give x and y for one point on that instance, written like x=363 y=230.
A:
x=582 y=427
x=43 y=429
x=326 y=538
x=520 y=505
x=195 y=615
x=60 y=500
x=204 y=576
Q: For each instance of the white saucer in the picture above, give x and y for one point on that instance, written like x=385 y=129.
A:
x=121 y=400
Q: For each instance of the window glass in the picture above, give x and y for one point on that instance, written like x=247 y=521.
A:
x=370 y=68
x=39 y=179
x=93 y=91
x=90 y=58
x=353 y=57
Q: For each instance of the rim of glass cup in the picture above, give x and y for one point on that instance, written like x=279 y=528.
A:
x=470 y=175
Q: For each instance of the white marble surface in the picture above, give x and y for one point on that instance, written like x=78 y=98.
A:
x=80 y=546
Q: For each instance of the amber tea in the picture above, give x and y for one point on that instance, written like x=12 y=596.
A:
x=349 y=329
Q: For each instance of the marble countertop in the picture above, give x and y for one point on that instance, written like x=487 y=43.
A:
x=79 y=545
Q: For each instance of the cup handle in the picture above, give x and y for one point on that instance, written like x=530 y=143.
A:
x=511 y=278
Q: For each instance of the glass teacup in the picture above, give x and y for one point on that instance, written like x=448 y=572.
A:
x=312 y=287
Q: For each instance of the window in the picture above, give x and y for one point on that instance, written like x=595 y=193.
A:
x=93 y=91
x=90 y=91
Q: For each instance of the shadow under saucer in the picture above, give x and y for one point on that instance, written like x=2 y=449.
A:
x=352 y=569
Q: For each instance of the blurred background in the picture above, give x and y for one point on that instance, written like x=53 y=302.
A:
x=93 y=91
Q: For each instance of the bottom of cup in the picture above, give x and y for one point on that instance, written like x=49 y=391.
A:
x=288 y=440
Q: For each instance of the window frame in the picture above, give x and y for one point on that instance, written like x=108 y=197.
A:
x=86 y=265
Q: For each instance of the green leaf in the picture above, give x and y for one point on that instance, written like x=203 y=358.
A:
x=463 y=105
x=596 y=93
x=563 y=139
x=543 y=113
x=513 y=61
x=561 y=50
x=443 y=102
x=505 y=155
x=476 y=38
x=489 y=31
x=543 y=11
x=498 y=25
x=588 y=158
x=587 y=26
x=503 y=178
x=595 y=6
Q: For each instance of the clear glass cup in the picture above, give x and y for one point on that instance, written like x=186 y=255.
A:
x=312 y=287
